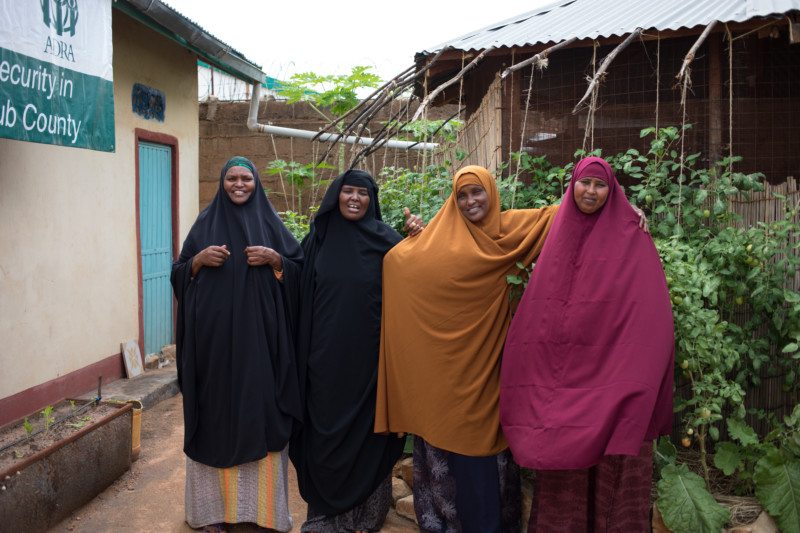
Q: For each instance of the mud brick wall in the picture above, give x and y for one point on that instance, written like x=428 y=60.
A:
x=224 y=133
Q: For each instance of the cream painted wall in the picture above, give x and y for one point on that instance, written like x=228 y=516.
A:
x=68 y=253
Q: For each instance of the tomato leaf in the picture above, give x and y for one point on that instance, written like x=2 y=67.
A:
x=686 y=505
x=791 y=296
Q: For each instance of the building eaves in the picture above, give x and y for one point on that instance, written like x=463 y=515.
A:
x=592 y=19
x=167 y=21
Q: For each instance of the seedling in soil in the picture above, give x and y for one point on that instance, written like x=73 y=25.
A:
x=28 y=427
x=19 y=454
x=72 y=404
x=78 y=425
x=47 y=418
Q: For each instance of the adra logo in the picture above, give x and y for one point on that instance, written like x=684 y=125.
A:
x=62 y=16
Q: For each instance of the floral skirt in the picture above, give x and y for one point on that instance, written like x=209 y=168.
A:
x=368 y=516
x=456 y=493
x=254 y=492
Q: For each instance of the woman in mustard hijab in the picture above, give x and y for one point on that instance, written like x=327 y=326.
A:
x=446 y=311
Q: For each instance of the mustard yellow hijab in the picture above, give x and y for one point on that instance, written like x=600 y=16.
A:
x=445 y=316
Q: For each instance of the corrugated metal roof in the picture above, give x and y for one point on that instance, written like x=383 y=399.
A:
x=590 y=19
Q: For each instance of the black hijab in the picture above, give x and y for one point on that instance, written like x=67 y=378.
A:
x=235 y=353
x=339 y=460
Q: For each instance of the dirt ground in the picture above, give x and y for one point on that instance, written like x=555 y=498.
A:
x=149 y=497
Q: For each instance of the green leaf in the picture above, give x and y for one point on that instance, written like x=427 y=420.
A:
x=791 y=347
x=727 y=457
x=665 y=450
x=701 y=196
x=740 y=431
x=685 y=504
x=777 y=482
x=791 y=296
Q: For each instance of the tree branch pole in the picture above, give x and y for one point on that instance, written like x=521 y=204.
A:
x=541 y=56
x=378 y=139
x=604 y=65
x=393 y=91
x=401 y=81
x=693 y=50
x=365 y=101
x=450 y=82
x=443 y=124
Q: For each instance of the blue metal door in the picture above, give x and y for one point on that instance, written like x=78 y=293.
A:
x=155 y=226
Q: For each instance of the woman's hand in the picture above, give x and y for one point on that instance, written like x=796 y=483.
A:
x=261 y=255
x=642 y=219
x=213 y=256
x=414 y=224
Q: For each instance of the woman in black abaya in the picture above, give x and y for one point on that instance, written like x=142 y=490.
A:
x=234 y=282
x=343 y=467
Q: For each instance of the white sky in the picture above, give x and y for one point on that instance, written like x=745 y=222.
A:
x=331 y=37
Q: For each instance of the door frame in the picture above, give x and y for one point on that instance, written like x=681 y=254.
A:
x=172 y=142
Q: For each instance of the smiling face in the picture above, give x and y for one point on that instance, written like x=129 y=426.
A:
x=353 y=202
x=473 y=202
x=590 y=194
x=239 y=184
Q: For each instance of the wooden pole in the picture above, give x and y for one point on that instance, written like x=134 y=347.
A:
x=693 y=50
x=604 y=65
x=538 y=58
x=450 y=82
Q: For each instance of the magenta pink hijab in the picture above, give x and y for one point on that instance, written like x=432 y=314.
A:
x=588 y=361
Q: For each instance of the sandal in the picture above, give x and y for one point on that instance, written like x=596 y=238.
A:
x=213 y=528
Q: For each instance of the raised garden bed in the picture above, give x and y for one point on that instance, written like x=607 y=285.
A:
x=47 y=475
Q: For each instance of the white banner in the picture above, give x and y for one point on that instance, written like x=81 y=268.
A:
x=56 y=74
x=75 y=34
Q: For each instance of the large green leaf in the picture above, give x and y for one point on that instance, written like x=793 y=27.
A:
x=740 y=431
x=685 y=504
x=778 y=489
x=727 y=457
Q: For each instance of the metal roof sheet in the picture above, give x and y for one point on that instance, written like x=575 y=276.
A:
x=590 y=19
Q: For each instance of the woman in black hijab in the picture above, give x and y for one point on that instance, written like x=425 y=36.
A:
x=235 y=282
x=343 y=467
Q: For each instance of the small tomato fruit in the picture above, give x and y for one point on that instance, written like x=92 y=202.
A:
x=684 y=364
x=705 y=413
x=686 y=441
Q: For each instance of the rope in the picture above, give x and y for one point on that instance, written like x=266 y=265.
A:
x=684 y=89
x=590 y=117
x=280 y=174
x=658 y=77
x=522 y=134
x=730 y=99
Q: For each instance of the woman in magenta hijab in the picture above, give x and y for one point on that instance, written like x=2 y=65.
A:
x=586 y=381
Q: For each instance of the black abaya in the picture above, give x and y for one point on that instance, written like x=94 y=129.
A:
x=235 y=354
x=339 y=460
